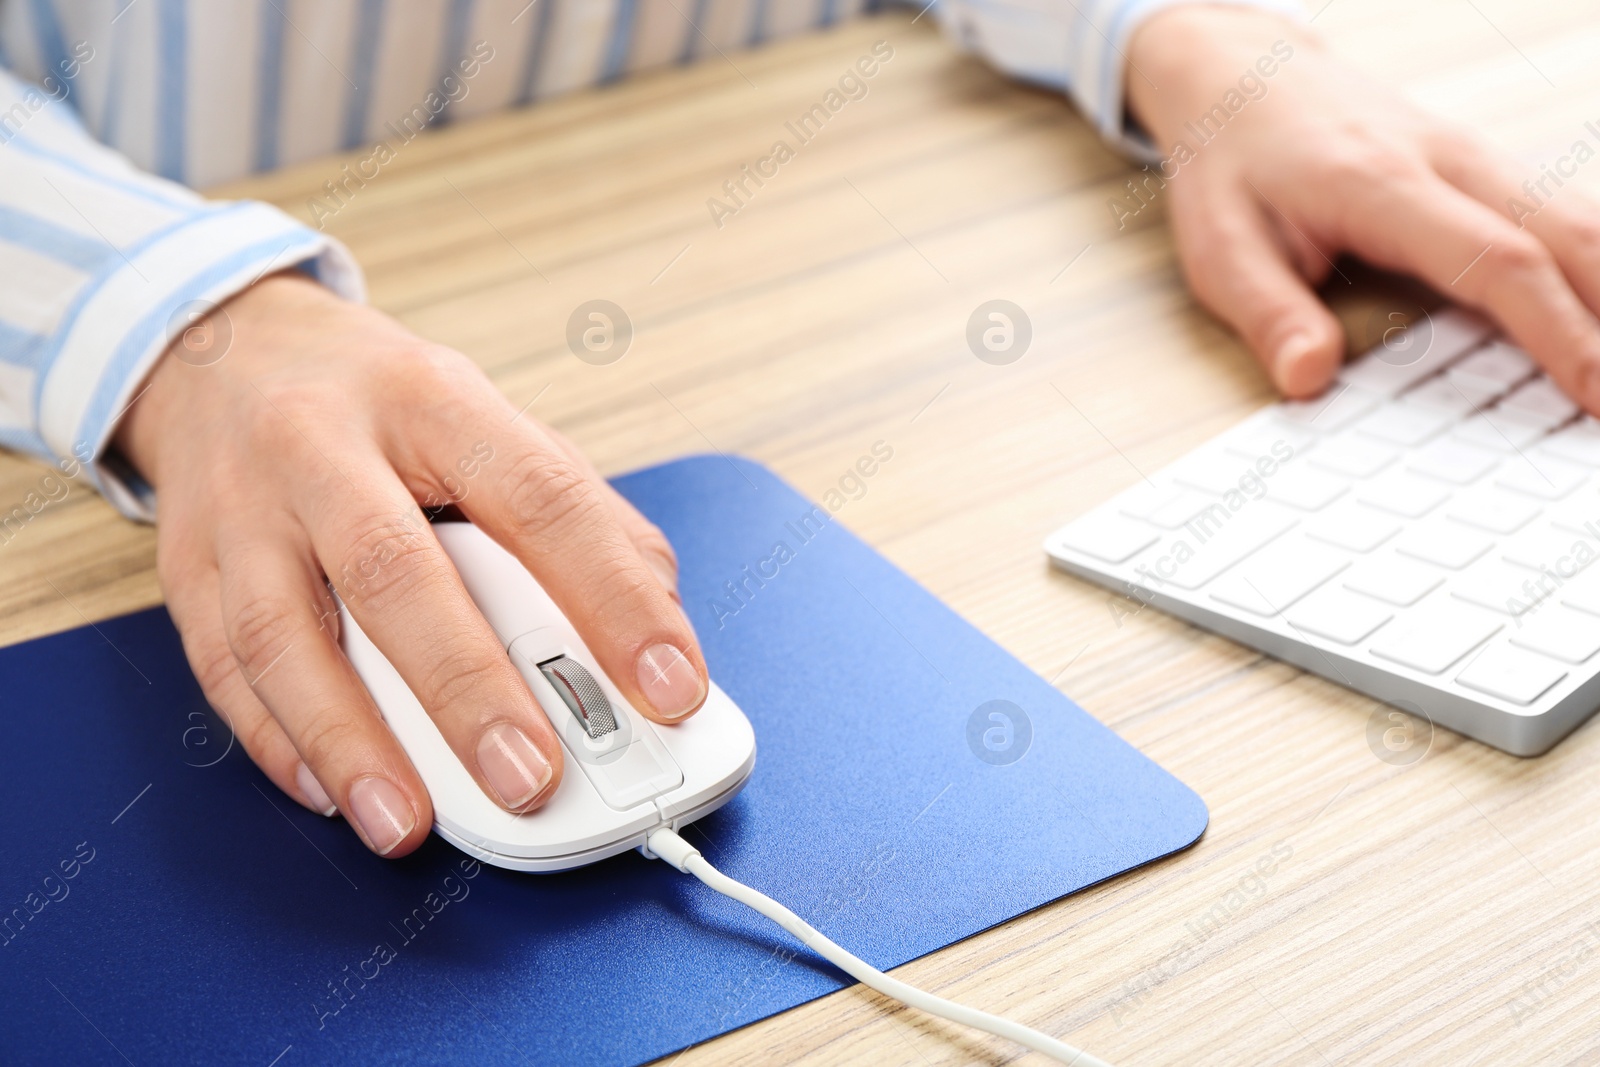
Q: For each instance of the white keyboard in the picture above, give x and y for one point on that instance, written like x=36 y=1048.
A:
x=1422 y=533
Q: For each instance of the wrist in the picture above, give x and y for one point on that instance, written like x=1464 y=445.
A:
x=1188 y=59
x=183 y=385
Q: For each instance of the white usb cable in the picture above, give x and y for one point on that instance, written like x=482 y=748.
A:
x=667 y=845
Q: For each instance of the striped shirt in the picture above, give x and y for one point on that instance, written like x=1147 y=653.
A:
x=111 y=109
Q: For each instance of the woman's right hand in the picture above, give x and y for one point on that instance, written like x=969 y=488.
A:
x=299 y=458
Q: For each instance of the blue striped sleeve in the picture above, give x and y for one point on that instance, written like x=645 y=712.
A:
x=101 y=267
x=1077 y=46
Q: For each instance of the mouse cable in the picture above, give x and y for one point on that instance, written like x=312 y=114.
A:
x=667 y=845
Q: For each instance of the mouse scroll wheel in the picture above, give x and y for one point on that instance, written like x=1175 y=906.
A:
x=582 y=694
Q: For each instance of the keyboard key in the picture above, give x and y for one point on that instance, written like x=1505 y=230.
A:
x=1499 y=364
x=1443 y=337
x=1403 y=425
x=1583 y=593
x=1550 y=548
x=1542 y=399
x=1353 y=456
x=1579 y=442
x=1339 y=616
x=1544 y=477
x=1432 y=641
x=1354 y=526
x=1493 y=510
x=1334 y=410
x=1270 y=436
x=1449 y=545
x=1555 y=631
x=1505 y=431
x=1511 y=674
x=1279 y=575
x=1217 y=473
x=1181 y=509
x=1503 y=587
x=1142 y=498
x=1307 y=489
x=1402 y=494
x=1452 y=461
x=1459 y=396
x=1108 y=537
x=1583 y=520
x=1393 y=579
x=1256 y=526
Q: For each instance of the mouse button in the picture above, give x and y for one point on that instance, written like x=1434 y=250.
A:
x=528 y=649
x=508 y=596
x=574 y=820
x=717 y=738
x=642 y=773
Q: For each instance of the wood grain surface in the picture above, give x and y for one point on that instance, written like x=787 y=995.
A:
x=1342 y=908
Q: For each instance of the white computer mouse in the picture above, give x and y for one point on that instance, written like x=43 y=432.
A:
x=625 y=776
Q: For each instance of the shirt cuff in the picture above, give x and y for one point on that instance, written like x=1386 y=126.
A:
x=127 y=318
x=1080 y=48
x=1100 y=92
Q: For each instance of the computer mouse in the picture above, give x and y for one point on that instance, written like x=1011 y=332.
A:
x=625 y=776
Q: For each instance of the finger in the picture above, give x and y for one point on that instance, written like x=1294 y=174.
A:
x=196 y=609
x=554 y=514
x=1565 y=218
x=564 y=525
x=272 y=598
x=452 y=487
x=1471 y=253
x=646 y=536
x=1240 y=270
x=401 y=587
x=1310 y=261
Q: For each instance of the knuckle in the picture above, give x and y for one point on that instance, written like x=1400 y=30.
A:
x=1361 y=157
x=386 y=559
x=455 y=678
x=1583 y=230
x=622 y=597
x=329 y=738
x=1210 y=272
x=215 y=668
x=259 y=632
x=1459 y=142
x=259 y=736
x=618 y=590
x=547 y=492
x=433 y=373
x=1519 y=255
x=651 y=541
x=1201 y=260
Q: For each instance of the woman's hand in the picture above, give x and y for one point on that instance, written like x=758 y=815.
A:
x=1313 y=160
x=300 y=458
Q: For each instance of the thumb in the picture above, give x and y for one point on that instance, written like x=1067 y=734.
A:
x=1240 y=270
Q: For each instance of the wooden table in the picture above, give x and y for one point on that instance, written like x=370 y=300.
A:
x=1435 y=912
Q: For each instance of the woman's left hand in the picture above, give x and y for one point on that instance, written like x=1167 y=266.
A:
x=1313 y=160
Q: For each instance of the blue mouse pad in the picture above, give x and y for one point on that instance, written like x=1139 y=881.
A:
x=162 y=902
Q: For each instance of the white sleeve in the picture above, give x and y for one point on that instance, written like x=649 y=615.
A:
x=101 y=265
x=1077 y=46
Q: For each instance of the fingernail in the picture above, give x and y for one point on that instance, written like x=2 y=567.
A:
x=670 y=682
x=514 y=769
x=312 y=790
x=382 y=812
